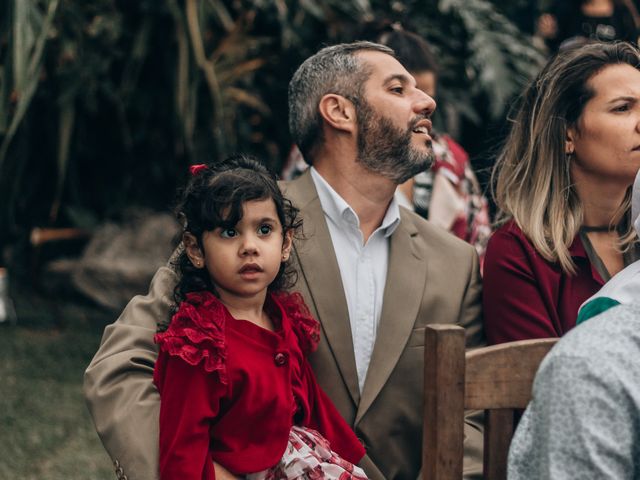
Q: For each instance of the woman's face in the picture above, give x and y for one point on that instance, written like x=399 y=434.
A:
x=606 y=139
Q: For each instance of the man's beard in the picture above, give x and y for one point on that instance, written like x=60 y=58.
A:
x=385 y=149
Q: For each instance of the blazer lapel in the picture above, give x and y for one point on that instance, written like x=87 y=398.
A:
x=319 y=268
x=404 y=288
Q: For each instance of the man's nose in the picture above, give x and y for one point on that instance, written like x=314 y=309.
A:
x=424 y=103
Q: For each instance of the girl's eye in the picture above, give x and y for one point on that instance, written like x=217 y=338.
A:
x=265 y=229
x=228 y=233
x=621 y=108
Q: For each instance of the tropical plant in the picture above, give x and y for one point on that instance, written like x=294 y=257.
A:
x=104 y=103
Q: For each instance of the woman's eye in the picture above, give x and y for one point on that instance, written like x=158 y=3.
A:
x=265 y=229
x=228 y=233
x=621 y=108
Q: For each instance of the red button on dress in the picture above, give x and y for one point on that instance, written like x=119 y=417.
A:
x=280 y=358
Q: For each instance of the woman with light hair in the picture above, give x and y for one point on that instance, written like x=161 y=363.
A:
x=562 y=183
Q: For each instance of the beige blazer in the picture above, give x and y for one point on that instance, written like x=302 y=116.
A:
x=432 y=278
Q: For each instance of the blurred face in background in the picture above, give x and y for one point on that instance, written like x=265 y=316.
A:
x=426 y=81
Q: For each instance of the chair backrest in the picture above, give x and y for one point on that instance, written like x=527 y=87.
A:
x=497 y=379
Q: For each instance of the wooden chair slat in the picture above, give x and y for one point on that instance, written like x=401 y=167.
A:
x=501 y=376
x=497 y=379
x=499 y=429
x=444 y=401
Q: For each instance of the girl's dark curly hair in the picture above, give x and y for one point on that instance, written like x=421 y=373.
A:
x=214 y=198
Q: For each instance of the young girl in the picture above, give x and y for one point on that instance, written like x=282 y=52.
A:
x=238 y=397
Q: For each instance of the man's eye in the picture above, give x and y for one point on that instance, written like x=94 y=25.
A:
x=397 y=90
x=228 y=233
x=265 y=229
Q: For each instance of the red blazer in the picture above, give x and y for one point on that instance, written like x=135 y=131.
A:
x=231 y=390
x=525 y=296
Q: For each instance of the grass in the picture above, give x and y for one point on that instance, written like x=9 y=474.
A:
x=45 y=428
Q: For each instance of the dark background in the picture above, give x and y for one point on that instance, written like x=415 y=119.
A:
x=103 y=104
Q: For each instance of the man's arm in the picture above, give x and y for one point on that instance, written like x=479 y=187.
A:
x=471 y=320
x=118 y=384
x=471 y=308
x=580 y=424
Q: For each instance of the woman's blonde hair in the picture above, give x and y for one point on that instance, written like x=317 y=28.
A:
x=531 y=178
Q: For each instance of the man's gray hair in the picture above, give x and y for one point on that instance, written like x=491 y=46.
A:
x=335 y=69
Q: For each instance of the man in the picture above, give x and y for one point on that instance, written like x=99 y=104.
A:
x=584 y=418
x=447 y=194
x=373 y=274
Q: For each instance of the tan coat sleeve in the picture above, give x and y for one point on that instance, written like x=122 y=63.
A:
x=471 y=320
x=471 y=308
x=118 y=384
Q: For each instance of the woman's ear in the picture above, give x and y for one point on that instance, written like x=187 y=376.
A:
x=193 y=250
x=569 y=146
x=287 y=244
x=338 y=112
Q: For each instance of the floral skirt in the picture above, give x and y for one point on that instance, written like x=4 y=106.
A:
x=309 y=457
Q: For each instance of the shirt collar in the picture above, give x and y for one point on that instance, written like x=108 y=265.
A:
x=339 y=211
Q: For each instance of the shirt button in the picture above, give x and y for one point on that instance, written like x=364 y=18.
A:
x=280 y=358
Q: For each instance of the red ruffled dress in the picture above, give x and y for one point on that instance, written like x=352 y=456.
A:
x=246 y=397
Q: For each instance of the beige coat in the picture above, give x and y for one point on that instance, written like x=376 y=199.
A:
x=432 y=278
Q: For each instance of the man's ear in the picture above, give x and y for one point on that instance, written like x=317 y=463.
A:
x=338 y=112
x=287 y=245
x=193 y=250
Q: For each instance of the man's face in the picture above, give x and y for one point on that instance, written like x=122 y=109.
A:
x=393 y=121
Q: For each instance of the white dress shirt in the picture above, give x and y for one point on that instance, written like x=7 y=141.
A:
x=363 y=266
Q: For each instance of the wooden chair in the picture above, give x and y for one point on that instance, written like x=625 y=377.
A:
x=497 y=379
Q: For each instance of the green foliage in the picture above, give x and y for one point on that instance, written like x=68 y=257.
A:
x=499 y=58
x=104 y=103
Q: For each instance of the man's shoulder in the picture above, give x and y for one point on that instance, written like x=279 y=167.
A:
x=610 y=337
x=301 y=190
x=435 y=236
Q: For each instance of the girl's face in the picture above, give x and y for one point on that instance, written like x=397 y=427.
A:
x=243 y=261
x=606 y=139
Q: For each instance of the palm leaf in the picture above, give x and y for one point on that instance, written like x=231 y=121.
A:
x=30 y=81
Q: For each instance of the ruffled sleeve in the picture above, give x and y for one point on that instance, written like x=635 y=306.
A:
x=306 y=327
x=196 y=333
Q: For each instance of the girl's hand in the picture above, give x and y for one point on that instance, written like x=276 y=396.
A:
x=222 y=473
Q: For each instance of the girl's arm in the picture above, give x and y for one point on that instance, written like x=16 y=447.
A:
x=190 y=401
x=325 y=418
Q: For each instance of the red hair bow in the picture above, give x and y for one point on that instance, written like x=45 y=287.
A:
x=195 y=169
